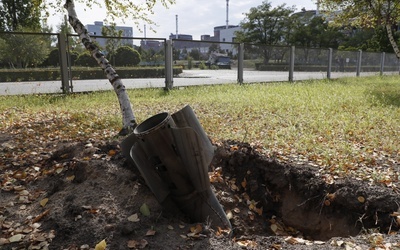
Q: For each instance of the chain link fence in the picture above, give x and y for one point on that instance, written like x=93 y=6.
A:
x=33 y=63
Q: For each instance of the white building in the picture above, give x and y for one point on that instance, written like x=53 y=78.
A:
x=96 y=28
x=228 y=35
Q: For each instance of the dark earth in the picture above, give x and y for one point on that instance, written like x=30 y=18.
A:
x=86 y=192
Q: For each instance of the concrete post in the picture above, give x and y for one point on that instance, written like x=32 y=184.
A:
x=359 y=62
x=62 y=48
x=382 y=63
x=330 y=53
x=291 y=63
x=168 y=65
x=240 y=63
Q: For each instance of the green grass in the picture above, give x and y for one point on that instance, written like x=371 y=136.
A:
x=342 y=124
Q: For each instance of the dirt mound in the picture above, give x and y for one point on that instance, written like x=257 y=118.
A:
x=74 y=195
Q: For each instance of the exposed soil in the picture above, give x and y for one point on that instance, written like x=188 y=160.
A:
x=94 y=194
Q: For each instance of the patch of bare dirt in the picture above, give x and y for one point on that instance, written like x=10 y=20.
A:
x=74 y=195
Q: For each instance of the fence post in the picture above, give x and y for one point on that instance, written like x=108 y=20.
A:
x=240 y=63
x=62 y=48
x=359 y=62
x=383 y=55
x=168 y=66
x=330 y=54
x=291 y=63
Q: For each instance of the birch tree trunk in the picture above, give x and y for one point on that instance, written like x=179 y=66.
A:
x=128 y=118
x=392 y=41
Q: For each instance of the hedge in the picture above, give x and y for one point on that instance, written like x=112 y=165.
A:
x=321 y=68
x=20 y=75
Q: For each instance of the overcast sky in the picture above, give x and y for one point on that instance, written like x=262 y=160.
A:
x=195 y=17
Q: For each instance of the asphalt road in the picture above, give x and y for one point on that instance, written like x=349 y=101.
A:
x=187 y=78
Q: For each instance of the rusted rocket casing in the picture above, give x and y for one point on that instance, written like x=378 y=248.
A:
x=173 y=153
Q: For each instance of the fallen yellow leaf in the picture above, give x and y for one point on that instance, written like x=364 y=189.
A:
x=101 y=245
x=70 y=178
x=44 y=202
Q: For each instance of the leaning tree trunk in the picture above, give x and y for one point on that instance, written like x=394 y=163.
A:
x=392 y=41
x=128 y=118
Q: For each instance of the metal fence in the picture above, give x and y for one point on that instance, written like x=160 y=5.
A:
x=183 y=63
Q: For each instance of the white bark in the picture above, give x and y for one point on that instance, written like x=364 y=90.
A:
x=128 y=118
x=392 y=41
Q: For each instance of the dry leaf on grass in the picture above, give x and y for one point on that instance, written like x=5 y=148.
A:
x=137 y=244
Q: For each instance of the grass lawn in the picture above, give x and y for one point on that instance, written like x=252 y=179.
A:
x=347 y=127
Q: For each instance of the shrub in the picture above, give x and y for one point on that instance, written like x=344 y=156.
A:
x=73 y=55
x=85 y=59
x=53 y=59
x=15 y=75
x=214 y=67
x=127 y=56
x=190 y=62
x=202 y=65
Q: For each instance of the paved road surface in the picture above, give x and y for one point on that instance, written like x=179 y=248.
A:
x=187 y=78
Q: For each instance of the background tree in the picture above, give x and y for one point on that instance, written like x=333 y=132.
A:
x=366 y=14
x=72 y=41
x=136 y=11
x=310 y=31
x=176 y=53
x=112 y=44
x=315 y=32
x=265 y=25
x=214 y=48
x=195 y=54
x=153 y=57
x=20 y=13
x=24 y=50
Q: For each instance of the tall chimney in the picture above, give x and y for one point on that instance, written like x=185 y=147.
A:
x=227 y=14
x=176 y=35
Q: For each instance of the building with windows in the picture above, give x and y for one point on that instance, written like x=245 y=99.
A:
x=96 y=28
x=182 y=44
x=154 y=45
x=217 y=33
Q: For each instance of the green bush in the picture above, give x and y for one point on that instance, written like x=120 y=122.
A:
x=18 y=75
x=202 y=65
x=86 y=60
x=214 y=67
x=73 y=56
x=53 y=59
x=127 y=56
x=190 y=62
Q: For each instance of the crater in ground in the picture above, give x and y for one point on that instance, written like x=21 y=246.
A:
x=93 y=194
